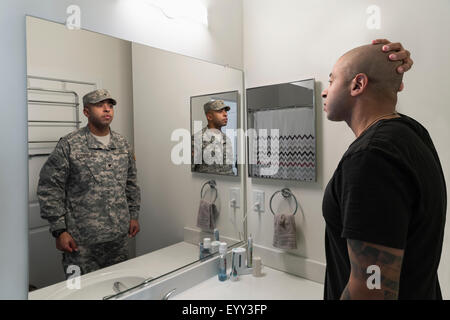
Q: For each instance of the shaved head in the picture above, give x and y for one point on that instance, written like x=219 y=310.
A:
x=364 y=76
x=384 y=81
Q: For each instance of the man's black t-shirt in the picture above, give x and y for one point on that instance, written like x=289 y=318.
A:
x=388 y=189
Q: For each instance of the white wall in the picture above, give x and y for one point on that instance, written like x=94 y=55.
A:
x=222 y=43
x=289 y=40
x=56 y=52
x=163 y=83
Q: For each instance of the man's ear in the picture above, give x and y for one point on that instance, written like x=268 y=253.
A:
x=359 y=84
x=86 y=111
x=209 y=116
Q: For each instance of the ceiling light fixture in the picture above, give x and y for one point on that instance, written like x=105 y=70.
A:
x=191 y=10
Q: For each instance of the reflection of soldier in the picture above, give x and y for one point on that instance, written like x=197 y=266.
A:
x=212 y=149
x=88 y=190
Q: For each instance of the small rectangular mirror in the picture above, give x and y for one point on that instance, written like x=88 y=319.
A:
x=282 y=132
x=214 y=124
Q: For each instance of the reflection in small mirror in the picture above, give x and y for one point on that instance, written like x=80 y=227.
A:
x=214 y=133
x=282 y=132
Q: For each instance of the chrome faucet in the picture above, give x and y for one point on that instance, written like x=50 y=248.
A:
x=116 y=287
x=168 y=294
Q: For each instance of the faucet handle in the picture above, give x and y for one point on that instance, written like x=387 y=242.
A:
x=169 y=294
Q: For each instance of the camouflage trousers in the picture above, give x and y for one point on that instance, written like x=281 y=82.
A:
x=97 y=256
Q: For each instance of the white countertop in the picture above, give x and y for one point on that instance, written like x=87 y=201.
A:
x=273 y=285
x=153 y=264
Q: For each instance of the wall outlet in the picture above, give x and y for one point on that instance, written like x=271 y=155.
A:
x=235 y=195
x=258 y=201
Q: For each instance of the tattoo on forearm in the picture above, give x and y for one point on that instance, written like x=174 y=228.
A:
x=388 y=295
x=363 y=254
x=389 y=283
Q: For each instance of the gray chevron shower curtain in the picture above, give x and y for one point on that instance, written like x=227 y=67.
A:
x=283 y=144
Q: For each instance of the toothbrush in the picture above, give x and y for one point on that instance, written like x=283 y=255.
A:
x=249 y=252
x=234 y=274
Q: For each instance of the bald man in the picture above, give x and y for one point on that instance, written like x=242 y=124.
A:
x=385 y=205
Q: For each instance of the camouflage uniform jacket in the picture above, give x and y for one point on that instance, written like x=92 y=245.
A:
x=90 y=189
x=218 y=148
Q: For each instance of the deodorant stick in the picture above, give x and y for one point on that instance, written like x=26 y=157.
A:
x=257 y=267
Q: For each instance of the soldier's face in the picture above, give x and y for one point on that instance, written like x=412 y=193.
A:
x=219 y=117
x=100 y=114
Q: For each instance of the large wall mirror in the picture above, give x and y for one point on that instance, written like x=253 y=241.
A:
x=87 y=178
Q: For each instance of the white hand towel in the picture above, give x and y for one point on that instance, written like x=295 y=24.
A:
x=207 y=214
x=284 y=236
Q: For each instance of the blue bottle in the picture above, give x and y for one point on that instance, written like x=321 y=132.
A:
x=216 y=234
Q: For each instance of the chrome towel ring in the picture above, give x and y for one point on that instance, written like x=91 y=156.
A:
x=286 y=193
x=212 y=185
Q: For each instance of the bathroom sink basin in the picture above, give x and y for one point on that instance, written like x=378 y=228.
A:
x=99 y=286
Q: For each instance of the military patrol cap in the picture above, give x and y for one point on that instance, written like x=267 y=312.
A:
x=215 y=105
x=96 y=96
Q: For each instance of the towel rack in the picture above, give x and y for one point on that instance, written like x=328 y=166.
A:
x=52 y=123
x=75 y=105
x=286 y=193
x=212 y=184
